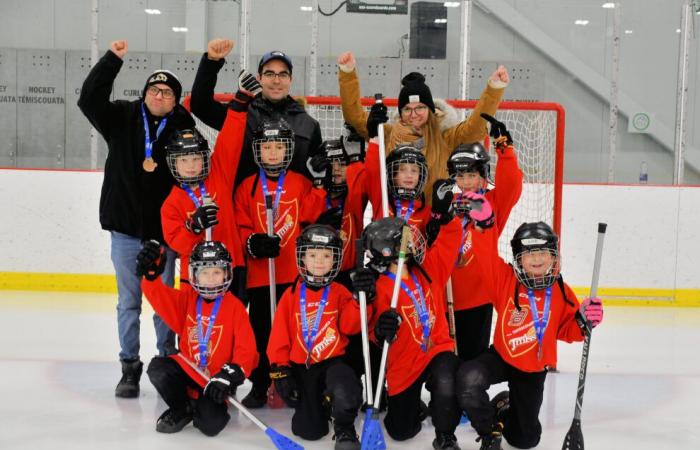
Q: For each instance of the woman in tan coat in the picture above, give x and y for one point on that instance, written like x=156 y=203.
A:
x=426 y=123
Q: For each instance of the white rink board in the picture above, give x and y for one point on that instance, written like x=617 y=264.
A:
x=50 y=224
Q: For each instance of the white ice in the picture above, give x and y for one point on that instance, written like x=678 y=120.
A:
x=58 y=369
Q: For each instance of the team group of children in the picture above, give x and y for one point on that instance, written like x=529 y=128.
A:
x=296 y=239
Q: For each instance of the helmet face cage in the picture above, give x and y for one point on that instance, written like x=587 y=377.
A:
x=274 y=132
x=319 y=237
x=542 y=281
x=335 y=155
x=210 y=254
x=188 y=142
x=406 y=155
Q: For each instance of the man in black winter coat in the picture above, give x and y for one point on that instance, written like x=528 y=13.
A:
x=136 y=182
x=275 y=76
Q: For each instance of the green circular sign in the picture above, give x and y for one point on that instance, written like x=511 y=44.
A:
x=641 y=121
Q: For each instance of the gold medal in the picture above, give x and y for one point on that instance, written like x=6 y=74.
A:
x=149 y=165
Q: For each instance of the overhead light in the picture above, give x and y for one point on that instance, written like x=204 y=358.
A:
x=180 y=29
x=440 y=20
x=608 y=5
x=628 y=31
x=582 y=22
x=152 y=11
x=451 y=4
x=678 y=30
x=306 y=8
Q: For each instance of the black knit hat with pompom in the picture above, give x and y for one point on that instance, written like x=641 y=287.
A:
x=415 y=90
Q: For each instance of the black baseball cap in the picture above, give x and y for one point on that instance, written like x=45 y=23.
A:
x=275 y=54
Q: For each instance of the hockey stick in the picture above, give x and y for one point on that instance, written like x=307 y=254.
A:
x=451 y=314
x=363 y=324
x=207 y=232
x=282 y=442
x=574 y=438
x=372 y=436
x=382 y=163
x=273 y=398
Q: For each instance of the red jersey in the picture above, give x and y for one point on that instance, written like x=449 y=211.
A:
x=515 y=338
x=419 y=213
x=341 y=317
x=406 y=360
x=468 y=287
x=299 y=203
x=232 y=339
x=179 y=207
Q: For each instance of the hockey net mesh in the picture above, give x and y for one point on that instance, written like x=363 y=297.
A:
x=538 y=135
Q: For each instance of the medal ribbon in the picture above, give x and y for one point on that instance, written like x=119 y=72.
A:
x=203 y=339
x=420 y=306
x=147 y=131
x=540 y=322
x=202 y=191
x=310 y=335
x=278 y=193
x=409 y=210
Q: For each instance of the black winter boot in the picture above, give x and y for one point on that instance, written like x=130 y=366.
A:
x=445 y=441
x=255 y=399
x=346 y=438
x=492 y=440
x=128 y=386
x=500 y=404
x=174 y=420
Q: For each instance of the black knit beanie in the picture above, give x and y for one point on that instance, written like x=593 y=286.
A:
x=167 y=78
x=415 y=90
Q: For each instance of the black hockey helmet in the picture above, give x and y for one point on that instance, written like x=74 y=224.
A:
x=530 y=237
x=382 y=239
x=337 y=160
x=319 y=237
x=187 y=142
x=469 y=158
x=406 y=154
x=210 y=254
x=274 y=131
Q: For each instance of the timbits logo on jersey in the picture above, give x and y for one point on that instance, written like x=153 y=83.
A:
x=411 y=316
x=286 y=220
x=193 y=340
x=327 y=338
x=346 y=231
x=517 y=328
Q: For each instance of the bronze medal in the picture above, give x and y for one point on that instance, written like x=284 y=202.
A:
x=149 y=165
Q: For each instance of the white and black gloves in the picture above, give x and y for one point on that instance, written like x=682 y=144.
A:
x=224 y=383
x=204 y=217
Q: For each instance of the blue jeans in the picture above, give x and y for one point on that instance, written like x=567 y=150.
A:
x=124 y=251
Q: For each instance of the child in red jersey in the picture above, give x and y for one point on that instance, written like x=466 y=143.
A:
x=421 y=350
x=204 y=196
x=468 y=166
x=535 y=309
x=214 y=333
x=295 y=201
x=308 y=338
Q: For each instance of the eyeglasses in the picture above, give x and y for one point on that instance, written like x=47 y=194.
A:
x=420 y=109
x=270 y=75
x=167 y=93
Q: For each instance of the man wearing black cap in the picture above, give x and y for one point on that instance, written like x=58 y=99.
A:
x=274 y=102
x=136 y=182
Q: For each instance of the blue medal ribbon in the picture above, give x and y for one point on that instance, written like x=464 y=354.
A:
x=420 y=306
x=329 y=205
x=278 y=193
x=540 y=322
x=203 y=338
x=202 y=191
x=147 y=131
x=409 y=210
x=309 y=336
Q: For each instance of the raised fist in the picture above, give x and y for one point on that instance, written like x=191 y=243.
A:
x=219 y=48
x=119 y=48
x=346 y=62
x=500 y=76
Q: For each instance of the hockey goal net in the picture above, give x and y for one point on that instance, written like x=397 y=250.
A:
x=537 y=129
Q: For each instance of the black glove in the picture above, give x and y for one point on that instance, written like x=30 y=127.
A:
x=248 y=88
x=260 y=245
x=387 y=326
x=150 y=262
x=498 y=132
x=204 y=217
x=377 y=116
x=224 y=383
x=442 y=201
x=248 y=82
x=432 y=229
x=286 y=384
x=332 y=217
x=319 y=168
x=364 y=280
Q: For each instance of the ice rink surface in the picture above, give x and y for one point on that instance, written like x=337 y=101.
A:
x=58 y=370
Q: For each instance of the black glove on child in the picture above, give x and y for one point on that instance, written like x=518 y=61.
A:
x=260 y=245
x=204 y=217
x=286 y=384
x=498 y=132
x=364 y=280
x=224 y=383
x=387 y=326
x=150 y=262
x=319 y=167
x=442 y=210
x=377 y=116
x=248 y=88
